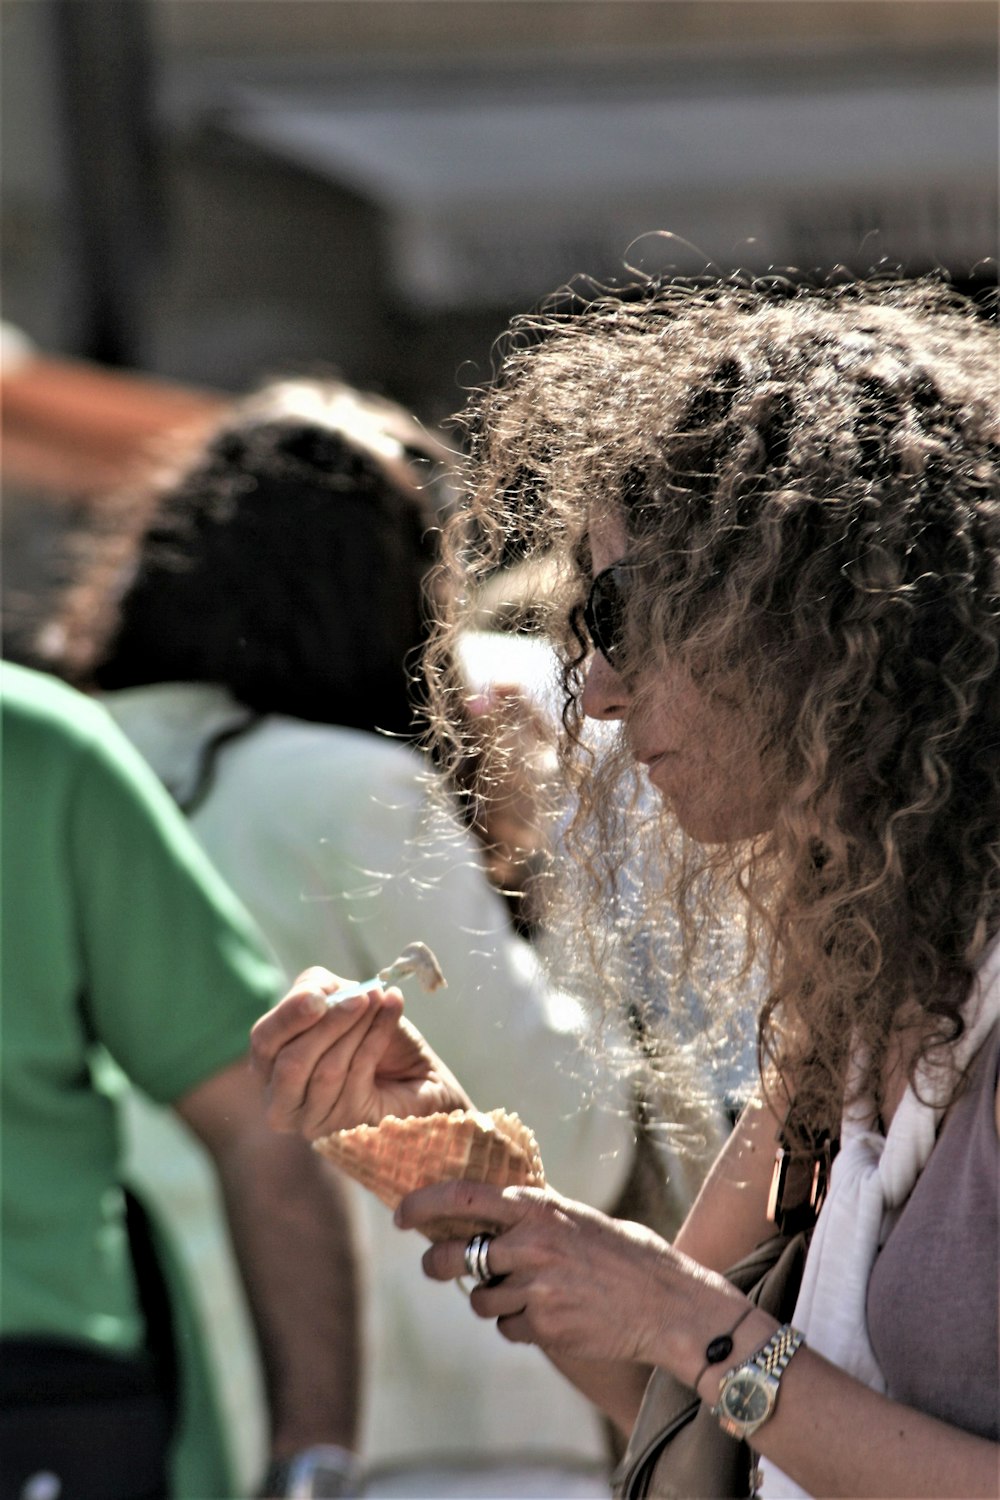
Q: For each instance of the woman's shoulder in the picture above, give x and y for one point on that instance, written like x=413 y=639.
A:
x=295 y=749
x=43 y=710
x=345 y=782
x=274 y=765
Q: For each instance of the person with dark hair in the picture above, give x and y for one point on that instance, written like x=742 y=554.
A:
x=126 y=956
x=252 y=624
x=321 y=484
x=775 y=515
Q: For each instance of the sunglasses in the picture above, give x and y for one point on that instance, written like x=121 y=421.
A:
x=604 y=611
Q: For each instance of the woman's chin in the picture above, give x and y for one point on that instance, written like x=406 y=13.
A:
x=715 y=825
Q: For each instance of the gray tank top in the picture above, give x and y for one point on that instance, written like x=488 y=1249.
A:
x=933 y=1293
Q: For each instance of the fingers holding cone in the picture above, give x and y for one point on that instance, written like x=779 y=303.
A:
x=398 y=1156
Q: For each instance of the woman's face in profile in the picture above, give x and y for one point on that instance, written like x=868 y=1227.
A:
x=697 y=743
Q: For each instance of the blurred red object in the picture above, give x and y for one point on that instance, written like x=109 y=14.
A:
x=75 y=430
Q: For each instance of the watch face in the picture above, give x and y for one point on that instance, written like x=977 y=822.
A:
x=746 y=1399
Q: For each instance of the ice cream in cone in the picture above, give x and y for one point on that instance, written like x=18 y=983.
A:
x=396 y=1156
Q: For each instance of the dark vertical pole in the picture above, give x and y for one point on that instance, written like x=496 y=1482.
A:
x=112 y=179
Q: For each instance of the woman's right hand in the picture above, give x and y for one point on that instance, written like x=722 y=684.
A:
x=329 y=1067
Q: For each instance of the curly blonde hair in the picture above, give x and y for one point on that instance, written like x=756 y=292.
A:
x=808 y=480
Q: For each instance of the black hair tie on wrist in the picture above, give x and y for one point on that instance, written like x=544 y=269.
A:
x=721 y=1347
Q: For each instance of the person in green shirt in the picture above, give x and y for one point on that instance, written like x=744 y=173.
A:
x=124 y=953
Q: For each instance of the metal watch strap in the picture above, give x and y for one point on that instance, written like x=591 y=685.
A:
x=774 y=1356
x=749 y=1392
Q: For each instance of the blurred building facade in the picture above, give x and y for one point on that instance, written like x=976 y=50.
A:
x=213 y=190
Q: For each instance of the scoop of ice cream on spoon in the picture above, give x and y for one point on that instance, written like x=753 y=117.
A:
x=416 y=958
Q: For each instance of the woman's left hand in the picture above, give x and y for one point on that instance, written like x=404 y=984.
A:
x=578 y=1283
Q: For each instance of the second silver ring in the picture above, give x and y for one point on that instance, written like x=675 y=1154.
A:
x=477 y=1258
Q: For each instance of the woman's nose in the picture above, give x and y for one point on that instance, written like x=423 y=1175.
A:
x=605 y=695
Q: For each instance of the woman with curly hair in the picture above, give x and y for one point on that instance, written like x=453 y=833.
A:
x=774 y=514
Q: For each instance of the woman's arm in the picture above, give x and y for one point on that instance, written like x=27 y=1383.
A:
x=327 y=1068
x=590 y=1288
x=615 y=1387
x=292 y=1230
x=724 y=1223
x=836 y=1437
x=729 y=1216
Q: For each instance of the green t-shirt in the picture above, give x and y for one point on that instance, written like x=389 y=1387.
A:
x=116 y=933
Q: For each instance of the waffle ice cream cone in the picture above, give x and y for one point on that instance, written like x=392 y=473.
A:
x=396 y=1156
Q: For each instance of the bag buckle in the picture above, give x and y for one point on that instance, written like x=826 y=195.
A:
x=798 y=1185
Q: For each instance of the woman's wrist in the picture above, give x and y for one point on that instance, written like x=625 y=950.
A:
x=707 y=1327
x=753 y=1332
x=695 y=1306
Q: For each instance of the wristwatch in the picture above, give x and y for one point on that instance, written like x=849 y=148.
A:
x=323 y=1472
x=748 y=1393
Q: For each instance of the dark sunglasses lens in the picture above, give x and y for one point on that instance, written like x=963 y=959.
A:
x=604 y=613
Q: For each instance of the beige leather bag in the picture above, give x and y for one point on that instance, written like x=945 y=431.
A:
x=677 y=1450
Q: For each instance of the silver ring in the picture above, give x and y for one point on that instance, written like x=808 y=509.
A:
x=477 y=1258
